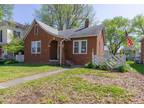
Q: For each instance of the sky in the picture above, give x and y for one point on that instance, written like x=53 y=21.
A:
x=25 y=13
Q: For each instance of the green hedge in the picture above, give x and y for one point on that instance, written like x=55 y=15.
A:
x=8 y=62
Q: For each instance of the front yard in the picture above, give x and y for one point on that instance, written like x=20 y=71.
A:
x=8 y=72
x=79 y=85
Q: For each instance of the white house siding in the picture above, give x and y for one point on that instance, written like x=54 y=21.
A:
x=7 y=35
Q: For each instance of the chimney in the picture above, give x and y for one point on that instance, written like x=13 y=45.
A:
x=86 y=23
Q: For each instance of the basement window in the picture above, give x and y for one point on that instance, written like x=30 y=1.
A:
x=80 y=47
x=35 y=47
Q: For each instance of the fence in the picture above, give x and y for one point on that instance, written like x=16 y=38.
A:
x=19 y=57
x=112 y=60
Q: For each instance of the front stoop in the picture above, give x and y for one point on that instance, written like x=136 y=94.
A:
x=53 y=62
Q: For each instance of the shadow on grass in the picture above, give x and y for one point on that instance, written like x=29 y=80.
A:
x=27 y=65
x=138 y=67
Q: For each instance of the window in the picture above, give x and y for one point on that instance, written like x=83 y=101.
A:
x=35 y=47
x=1 y=36
x=80 y=47
x=83 y=47
x=76 y=47
x=36 y=30
x=16 y=34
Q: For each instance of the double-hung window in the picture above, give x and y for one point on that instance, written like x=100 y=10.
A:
x=36 y=47
x=80 y=47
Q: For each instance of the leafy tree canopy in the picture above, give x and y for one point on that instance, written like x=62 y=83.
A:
x=15 y=46
x=115 y=33
x=6 y=11
x=138 y=24
x=65 y=16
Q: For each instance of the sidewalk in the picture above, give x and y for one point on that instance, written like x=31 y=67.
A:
x=17 y=81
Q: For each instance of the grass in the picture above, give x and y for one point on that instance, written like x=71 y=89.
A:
x=8 y=72
x=67 y=87
x=136 y=67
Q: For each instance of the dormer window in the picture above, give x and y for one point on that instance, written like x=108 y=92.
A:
x=36 y=30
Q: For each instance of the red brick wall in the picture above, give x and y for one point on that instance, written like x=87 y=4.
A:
x=45 y=40
x=95 y=43
x=80 y=58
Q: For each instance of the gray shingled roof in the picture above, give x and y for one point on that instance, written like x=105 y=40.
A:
x=72 y=33
x=49 y=29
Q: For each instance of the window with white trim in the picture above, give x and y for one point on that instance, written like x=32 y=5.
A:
x=80 y=47
x=36 y=47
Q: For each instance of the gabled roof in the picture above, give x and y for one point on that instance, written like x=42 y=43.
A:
x=70 y=33
x=48 y=28
x=12 y=23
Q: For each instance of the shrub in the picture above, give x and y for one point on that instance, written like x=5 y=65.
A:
x=8 y=62
x=103 y=66
x=124 y=68
x=94 y=66
x=89 y=65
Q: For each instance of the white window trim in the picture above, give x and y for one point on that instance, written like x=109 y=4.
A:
x=36 y=48
x=79 y=48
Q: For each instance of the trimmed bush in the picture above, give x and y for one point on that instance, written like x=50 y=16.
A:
x=89 y=65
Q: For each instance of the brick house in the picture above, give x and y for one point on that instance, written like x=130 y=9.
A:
x=44 y=44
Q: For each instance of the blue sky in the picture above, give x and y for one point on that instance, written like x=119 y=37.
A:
x=25 y=13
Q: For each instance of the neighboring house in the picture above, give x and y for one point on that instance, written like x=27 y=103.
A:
x=7 y=31
x=44 y=44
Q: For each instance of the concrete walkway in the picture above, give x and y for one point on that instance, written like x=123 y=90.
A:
x=16 y=81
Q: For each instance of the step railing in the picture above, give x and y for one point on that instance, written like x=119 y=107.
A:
x=112 y=60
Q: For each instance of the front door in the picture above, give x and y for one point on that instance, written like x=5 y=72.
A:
x=53 y=50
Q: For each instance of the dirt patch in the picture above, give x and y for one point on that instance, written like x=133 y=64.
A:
x=133 y=82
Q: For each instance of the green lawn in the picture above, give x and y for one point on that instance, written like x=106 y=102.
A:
x=8 y=72
x=136 y=67
x=72 y=86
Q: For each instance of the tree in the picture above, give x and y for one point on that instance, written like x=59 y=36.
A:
x=15 y=46
x=6 y=11
x=138 y=24
x=65 y=16
x=115 y=33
